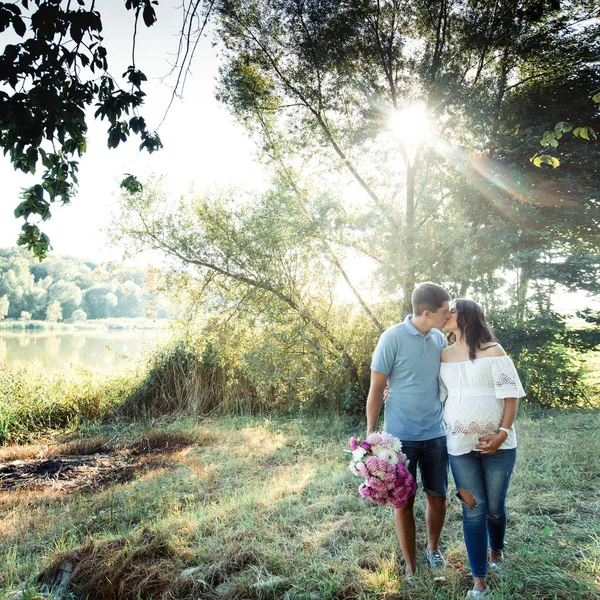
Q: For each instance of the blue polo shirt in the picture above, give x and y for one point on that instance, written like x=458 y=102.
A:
x=411 y=361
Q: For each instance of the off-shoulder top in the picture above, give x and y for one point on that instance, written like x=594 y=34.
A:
x=474 y=393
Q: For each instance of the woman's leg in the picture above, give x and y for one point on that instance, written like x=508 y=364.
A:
x=497 y=469
x=469 y=479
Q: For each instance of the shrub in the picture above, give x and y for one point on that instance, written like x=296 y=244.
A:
x=78 y=316
x=178 y=380
x=545 y=353
x=552 y=376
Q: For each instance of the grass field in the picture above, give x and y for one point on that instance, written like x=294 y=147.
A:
x=266 y=508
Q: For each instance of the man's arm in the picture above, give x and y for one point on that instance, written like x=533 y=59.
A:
x=375 y=398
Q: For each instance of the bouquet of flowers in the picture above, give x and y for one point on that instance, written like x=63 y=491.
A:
x=379 y=459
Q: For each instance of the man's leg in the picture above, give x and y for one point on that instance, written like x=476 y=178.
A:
x=434 y=472
x=435 y=516
x=404 y=520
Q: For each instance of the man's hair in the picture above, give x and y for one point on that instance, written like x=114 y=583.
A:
x=428 y=296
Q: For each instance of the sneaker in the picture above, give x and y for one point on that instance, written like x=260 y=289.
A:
x=497 y=565
x=436 y=560
x=473 y=594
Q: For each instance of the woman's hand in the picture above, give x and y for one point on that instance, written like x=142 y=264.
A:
x=488 y=444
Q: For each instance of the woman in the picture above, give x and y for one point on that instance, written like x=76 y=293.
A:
x=482 y=388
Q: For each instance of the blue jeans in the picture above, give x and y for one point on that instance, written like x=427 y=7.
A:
x=431 y=456
x=486 y=478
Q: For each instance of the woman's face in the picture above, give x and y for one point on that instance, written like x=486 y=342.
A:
x=451 y=322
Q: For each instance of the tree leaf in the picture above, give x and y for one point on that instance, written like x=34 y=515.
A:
x=596 y=98
x=538 y=161
x=19 y=26
x=149 y=14
x=131 y=184
x=563 y=127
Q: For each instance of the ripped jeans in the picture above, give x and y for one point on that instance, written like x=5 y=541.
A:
x=486 y=478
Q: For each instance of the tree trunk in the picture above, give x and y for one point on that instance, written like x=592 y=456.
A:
x=522 y=288
x=408 y=278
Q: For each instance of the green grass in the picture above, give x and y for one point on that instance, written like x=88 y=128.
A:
x=266 y=508
x=35 y=405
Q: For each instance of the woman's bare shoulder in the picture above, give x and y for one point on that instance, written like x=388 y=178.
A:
x=447 y=353
x=493 y=350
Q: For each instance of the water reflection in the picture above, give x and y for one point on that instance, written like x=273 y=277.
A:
x=103 y=351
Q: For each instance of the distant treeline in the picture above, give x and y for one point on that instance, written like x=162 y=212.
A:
x=63 y=288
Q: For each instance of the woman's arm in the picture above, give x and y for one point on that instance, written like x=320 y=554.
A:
x=490 y=443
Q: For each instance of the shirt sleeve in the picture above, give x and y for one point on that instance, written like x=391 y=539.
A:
x=505 y=378
x=385 y=353
x=444 y=341
x=443 y=389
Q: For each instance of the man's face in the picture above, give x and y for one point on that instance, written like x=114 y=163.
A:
x=440 y=316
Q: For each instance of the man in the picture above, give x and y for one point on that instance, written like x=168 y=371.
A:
x=407 y=362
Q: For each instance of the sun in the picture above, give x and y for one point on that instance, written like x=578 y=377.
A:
x=411 y=126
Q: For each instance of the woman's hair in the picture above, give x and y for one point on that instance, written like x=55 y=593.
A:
x=473 y=326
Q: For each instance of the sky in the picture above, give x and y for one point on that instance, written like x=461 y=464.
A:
x=204 y=146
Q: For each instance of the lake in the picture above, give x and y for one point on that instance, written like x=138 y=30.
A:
x=105 y=351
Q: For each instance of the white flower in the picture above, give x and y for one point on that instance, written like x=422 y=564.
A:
x=358 y=453
x=353 y=469
x=389 y=455
x=377 y=449
x=397 y=445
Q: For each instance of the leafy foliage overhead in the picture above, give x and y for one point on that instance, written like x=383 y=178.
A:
x=57 y=69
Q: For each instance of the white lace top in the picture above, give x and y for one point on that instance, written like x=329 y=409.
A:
x=474 y=393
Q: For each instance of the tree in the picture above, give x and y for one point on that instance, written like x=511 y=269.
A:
x=67 y=294
x=78 y=316
x=54 y=312
x=4 y=304
x=320 y=80
x=18 y=284
x=550 y=138
x=130 y=300
x=261 y=253
x=99 y=301
x=50 y=78
x=31 y=286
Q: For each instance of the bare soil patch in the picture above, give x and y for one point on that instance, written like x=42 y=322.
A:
x=87 y=465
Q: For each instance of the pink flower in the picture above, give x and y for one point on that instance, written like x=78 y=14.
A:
x=376 y=484
x=387 y=439
x=374 y=439
x=365 y=490
x=365 y=445
x=353 y=444
x=402 y=458
x=362 y=469
x=374 y=463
